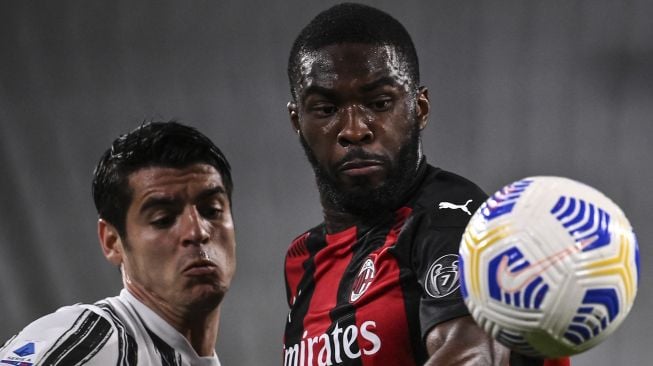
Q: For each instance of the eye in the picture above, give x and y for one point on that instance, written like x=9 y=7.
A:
x=322 y=110
x=163 y=222
x=381 y=104
x=211 y=212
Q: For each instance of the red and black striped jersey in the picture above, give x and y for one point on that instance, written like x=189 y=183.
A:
x=368 y=295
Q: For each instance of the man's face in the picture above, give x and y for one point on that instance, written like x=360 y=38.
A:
x=359 y=116
x=180 y=244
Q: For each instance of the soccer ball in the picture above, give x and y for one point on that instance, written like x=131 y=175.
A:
x=549 y=266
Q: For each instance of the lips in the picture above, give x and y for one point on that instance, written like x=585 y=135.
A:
x=360 y=166
x=199 y=267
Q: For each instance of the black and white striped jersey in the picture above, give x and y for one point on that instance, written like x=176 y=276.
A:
x=119 y=331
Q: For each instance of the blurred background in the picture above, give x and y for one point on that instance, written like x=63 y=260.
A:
x=517 y=88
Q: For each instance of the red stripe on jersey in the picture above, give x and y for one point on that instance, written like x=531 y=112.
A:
x=297 y=255
x=557 y=362
x=330 y=264
x=392 y=327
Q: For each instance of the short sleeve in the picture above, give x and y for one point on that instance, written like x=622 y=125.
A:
x=436 y=265
x=72 y=335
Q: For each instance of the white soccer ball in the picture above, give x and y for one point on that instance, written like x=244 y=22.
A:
x=549 y=266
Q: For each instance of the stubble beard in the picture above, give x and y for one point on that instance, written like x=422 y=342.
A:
x=196 y=306
x=362 y=200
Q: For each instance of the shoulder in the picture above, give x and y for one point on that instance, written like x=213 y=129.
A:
x=447 y=199
x=73 y=334
x=306 y=242
x=442 y=185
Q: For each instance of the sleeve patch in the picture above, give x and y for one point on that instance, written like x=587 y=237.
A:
x=442 y=276
x=23 y=355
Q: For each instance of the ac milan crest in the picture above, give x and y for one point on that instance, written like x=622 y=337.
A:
x=363 y=280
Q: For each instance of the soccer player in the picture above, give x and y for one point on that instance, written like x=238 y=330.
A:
x=163 y=195
x=377 y=282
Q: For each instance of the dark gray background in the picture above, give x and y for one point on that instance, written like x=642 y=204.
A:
x=518 y=88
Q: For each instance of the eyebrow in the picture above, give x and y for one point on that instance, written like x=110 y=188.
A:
x=157 y=202
x=386 y=80
x=172 y=201
x=316 y=89
x=329 y=93
x=217 y=190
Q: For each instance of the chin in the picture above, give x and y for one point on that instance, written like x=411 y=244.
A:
x=206 y=297
x=207 y=303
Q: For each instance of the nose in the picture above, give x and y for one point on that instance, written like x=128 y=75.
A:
x=355 y=128
x=194 y=229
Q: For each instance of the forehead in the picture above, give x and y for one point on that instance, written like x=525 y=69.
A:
x=168 y=180
x=351 y=63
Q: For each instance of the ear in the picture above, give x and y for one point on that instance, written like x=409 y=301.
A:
x=423 y=106
x=110 y=242
x=294 y=116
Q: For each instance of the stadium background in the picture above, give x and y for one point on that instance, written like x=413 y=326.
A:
x=518 y=88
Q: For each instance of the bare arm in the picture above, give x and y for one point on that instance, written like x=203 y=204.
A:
x=461 y=342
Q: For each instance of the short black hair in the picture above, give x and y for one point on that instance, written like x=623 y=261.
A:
x=154 y=144
x=352 y=23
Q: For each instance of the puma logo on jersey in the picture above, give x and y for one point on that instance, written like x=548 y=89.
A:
x=454 y=206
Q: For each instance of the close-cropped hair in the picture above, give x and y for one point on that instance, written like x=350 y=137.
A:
x=154 y=144
x=352 y=23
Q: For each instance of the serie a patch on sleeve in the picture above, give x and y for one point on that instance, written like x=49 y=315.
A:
x=22 y=353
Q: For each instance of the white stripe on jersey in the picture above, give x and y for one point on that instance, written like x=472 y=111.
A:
x=118 y=331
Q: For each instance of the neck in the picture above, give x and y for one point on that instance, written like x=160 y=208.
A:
x=202 y=334
x=198 y=324
x=336 y=219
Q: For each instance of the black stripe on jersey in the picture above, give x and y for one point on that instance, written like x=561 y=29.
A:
x=168 y=355
x=127 y=347
x=295 y=324
x=410 y=285
x=82 y=344
x=368 y=240
x=67 y=333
